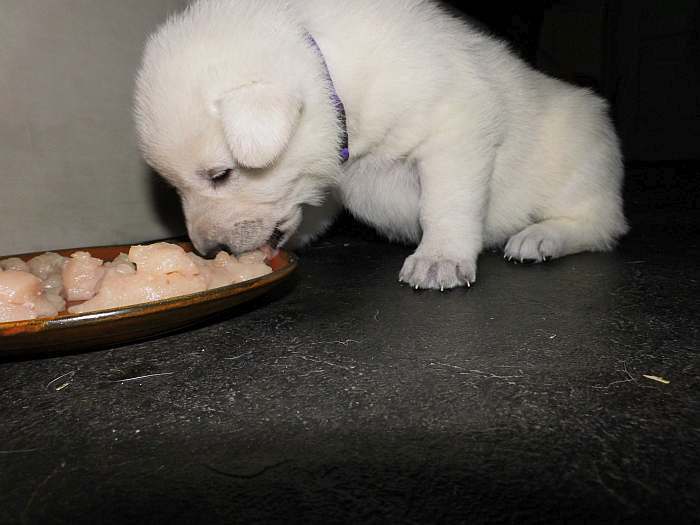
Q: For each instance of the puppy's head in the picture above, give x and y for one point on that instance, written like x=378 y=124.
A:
x=232 y=108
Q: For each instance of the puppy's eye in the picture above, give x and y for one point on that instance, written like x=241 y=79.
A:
x=219 y=176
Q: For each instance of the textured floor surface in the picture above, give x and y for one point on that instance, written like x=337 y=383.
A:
x=346 y=397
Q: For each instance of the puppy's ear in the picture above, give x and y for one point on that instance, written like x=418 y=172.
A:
x=258 y=121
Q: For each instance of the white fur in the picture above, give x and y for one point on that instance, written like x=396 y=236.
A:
x=455 y=143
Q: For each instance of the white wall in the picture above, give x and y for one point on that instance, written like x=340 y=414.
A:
x=70 y=171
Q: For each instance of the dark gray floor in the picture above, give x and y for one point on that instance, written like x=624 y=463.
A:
x=345 y=397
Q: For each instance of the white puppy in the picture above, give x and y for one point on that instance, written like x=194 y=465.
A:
x=454 y=143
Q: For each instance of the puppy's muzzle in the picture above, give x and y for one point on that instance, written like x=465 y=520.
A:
x=243 y=236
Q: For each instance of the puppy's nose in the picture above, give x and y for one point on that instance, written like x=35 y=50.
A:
x=205 y=247
x=212 y=252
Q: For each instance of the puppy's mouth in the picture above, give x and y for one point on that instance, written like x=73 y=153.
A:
x=271 y=247
x=275 y=239
x=284 y=230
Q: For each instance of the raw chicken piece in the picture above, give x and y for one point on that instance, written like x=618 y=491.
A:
x=203 y=267
x=47 y=305
x=252 y=257
x=58 y=302
x=121 y=288
x=222 y=269
x=18 y=287
x=182 y=285
x=10 y=313
x=121 y=260
x=21 y=297
x=82 y=274
x=14 y=263
x=46 y=264
x=244 y=272
x=227 y=269
x=162 y=258
x=49 y=268
x=53 y=284
x=161 y=271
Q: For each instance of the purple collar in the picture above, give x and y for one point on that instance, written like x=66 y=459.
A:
x=339 y=107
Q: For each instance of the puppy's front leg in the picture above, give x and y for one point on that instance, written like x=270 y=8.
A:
x=454 y=191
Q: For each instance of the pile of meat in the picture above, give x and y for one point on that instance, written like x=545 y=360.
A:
x=44 y=285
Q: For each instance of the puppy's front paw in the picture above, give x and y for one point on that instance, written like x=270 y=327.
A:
x=438 y=273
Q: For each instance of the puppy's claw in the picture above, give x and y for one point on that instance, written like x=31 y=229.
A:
x=436 y=273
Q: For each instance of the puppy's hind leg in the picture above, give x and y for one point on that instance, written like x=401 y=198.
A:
x=557 y=237
x=584 y=215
